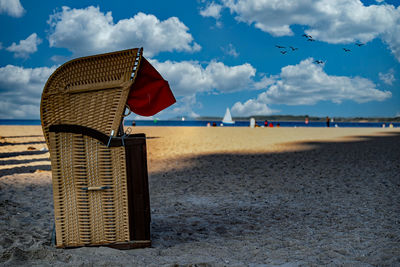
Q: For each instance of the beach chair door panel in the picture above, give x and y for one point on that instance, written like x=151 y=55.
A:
x=90 y=191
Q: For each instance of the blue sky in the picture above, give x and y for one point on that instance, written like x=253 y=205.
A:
x=216 y=54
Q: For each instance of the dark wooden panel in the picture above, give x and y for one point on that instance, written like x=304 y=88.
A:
x=138 y=187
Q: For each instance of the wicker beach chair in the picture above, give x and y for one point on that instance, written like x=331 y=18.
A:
x=100 y=183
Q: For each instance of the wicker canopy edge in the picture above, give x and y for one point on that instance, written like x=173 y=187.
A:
x=90 y=91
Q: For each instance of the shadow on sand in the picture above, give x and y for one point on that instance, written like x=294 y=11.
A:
x=22 y=153
x=21 y=161
x=332 y=196
x=23 y=143
x=25 y=169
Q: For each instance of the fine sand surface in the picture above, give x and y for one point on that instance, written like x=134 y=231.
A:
x=227 y=197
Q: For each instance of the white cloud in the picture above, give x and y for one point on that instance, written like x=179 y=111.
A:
x=231 y=79
x=87 y=31
x=340 y=21
x=25 y=47
x=60 y=59
x=21 y=89
x=212 y=10
x=185 y=107
x=11 y=110
x=190 y=77
x=387 y=78
x=251 y=107
x=185 y=78
x=265 y=82
x=306 y=84
x=138 y=118
x=392 y=39
x=12 y=8
x=230 y=50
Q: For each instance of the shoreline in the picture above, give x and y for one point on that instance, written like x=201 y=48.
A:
x=238 y=124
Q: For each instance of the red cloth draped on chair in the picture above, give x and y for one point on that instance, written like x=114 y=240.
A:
x=150 y=93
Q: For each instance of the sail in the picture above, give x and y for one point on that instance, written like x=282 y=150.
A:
x=228 y=118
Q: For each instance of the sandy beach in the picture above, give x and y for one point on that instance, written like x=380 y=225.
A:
x=227 y=197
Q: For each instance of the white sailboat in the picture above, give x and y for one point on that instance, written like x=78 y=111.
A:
x=228 y=118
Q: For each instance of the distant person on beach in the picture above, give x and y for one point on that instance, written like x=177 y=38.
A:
x=252 y=122
x=265 y=123
x=214 y=124
x=278 y=125
x=133 y=123
x=271 y=125
x=327 y=121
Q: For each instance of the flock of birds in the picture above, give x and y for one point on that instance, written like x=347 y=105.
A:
x=284 y=50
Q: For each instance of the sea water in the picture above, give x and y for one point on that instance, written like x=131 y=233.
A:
x=204 y=123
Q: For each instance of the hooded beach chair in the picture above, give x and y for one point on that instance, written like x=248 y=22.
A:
x=99 y=173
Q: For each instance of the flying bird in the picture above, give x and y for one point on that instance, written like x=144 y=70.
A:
x=283 y=52
x=311 y=39
x=293 y=48
x=359 y=44
x=346 y=50
x=278 y=46
x=307 y=36
x=319 y=62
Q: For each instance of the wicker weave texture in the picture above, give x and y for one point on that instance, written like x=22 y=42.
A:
x=85 y=217
x=90 y=91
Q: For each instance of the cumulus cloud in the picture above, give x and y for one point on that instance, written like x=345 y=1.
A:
x=306 y=84
x=251 y=107
x=87 y=31
x=12 y=8
x=21 y=89
x=265 y=82
x=387 y=78
x=392 y=39
x=190 y=77
x=340 y=21
x=212 y=10
x=25 y=47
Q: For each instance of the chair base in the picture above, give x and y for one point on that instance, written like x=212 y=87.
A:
x=122 y=246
